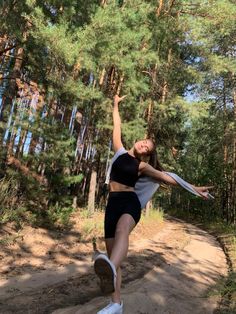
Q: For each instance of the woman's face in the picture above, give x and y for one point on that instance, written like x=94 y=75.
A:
x=143 y=147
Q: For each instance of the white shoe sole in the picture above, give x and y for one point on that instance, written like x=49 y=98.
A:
x=106 y=274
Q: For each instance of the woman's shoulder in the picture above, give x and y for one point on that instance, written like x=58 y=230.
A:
x=121 y=149
x=119 y=152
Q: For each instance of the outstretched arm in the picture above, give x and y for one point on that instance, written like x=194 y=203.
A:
x=160 y=176
x=117 y=144
x=169 y=178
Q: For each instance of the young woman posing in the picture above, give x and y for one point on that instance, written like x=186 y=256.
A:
x=123 y=210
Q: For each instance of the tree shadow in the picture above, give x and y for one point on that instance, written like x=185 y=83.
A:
x=154 y=283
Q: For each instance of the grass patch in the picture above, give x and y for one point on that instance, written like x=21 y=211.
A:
x=93 y=226
x=9 y=240
x=154 y=215
x=18 y=216
x=226 y=289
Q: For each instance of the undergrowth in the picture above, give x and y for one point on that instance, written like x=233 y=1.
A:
x=93 y=226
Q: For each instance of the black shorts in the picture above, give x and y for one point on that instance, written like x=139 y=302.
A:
x=120 y=203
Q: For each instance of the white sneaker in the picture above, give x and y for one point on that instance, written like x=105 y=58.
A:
x=106 y=272
x=112 y=308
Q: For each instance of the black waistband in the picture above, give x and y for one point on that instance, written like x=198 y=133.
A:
x=119 y=193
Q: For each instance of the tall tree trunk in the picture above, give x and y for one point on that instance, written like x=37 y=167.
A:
x=67 y=117
x=39 y=105
x=120 y=84
x=159 y=8
x=20 y=147
x=92 y=192
x=150 y=108
x=149 y=118
x=11 y=91
x=233 y=202
x=225 y=197
x=102 y=77
x=165 y=85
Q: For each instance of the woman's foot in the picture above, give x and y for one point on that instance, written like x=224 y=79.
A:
x=112 y=308
x=106 y=272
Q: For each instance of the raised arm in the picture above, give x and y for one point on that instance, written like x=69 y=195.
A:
x=117 y=144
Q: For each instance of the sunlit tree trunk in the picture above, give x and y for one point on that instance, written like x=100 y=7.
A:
x=39 y=103
x=92 y=192
x=233 y=201
x=7 y=105
x=159 y=8
x=225 y=197
x=11 y=90
x=165 y=84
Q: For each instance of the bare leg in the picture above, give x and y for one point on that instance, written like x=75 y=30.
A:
x=115 y=295
x=117 y=249
x=119 y=252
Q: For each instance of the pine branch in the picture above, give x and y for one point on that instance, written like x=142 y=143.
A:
x=205 y=15
x=25 y=170
x=11 y=56
x=172 y=2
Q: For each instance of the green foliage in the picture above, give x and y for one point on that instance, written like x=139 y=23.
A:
x=8 y=191
x=153 y=215
x=156 y=57
x=59 y=216
x=178 y=57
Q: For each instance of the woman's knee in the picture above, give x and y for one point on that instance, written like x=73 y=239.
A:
x=122 y=232
x=125 y=225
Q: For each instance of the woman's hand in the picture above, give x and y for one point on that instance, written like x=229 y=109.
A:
x=203 y=191
x=118 y=99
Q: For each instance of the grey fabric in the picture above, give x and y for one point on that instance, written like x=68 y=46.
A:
x=146 y=186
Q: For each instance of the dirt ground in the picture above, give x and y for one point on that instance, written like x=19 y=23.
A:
x=42 y=271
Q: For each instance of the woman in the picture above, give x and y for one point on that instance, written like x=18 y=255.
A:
x=123 y=209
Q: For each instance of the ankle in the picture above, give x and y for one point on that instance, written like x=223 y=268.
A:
x=116 y=300
x=114 y=263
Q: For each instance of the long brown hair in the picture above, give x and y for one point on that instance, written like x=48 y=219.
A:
x=153 y=159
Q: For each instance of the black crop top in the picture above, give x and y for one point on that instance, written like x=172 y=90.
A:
x=125 y=170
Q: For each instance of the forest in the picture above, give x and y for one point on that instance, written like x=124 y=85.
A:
x=62 y=62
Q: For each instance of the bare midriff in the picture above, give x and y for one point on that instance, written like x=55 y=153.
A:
x=118 y=187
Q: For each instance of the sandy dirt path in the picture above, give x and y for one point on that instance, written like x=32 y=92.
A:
x=179 y=283
x=169 y=271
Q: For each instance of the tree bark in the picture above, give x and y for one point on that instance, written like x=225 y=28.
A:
x=102 y=77
x=159 y=8
x=10 y=92
x=92 y=192
x=233 y=202
x=165 y=85
x=225 y=197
